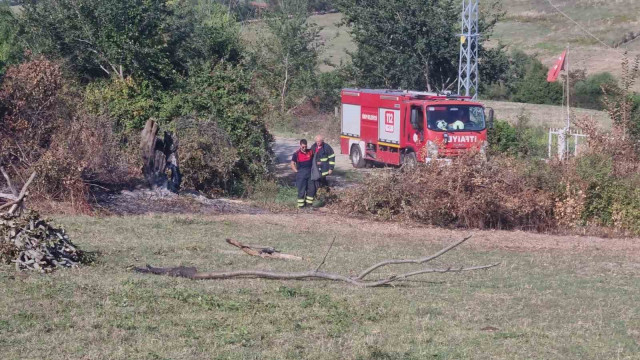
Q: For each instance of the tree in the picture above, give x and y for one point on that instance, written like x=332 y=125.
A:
x=101 y=38
x=154 y=40
x=289 y=52
x=533 y=88
x=588 y=93
x=10 y=48
x=408 y=43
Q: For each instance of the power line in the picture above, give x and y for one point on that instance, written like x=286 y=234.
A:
x=582 y=27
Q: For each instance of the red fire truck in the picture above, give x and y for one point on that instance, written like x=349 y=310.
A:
x=398 y=127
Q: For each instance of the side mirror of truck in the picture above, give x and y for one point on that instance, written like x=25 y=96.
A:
x=490 y=119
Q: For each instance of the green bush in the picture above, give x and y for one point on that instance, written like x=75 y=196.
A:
x=222 y=94
x=10 y=49
x=129 y=103
x=520 y=140
x=207 y=157
x=524 y=80
x=588 y=93
x=327 y=92
x=533 y=88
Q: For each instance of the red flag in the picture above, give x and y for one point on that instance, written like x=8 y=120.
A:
x=554 y=72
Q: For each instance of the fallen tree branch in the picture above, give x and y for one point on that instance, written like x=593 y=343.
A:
x=263 y=252
x=325 y=254
x=9 y=197
x=411 y=261
x=194 y=274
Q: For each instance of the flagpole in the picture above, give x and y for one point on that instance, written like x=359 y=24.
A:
x=568 y=92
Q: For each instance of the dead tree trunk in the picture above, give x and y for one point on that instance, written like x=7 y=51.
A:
x=160 y=156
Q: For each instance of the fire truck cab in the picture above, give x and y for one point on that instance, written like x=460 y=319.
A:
x=398 y=127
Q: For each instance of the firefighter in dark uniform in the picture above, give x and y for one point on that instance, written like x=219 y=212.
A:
x=325 y=160
x=301 y=164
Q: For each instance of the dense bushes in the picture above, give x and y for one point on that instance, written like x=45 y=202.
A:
x=129 y=103
x=125 y=63
x=45 y=129
x=468 y=193
x=504 y=193
x=525 y=81
x=519 y=140
x=222 y=94
x=588 y=93
x=207 y=156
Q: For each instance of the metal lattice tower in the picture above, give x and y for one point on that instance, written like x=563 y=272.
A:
x=468 y=67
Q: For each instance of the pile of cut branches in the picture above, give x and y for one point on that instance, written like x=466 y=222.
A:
x=29 y=241
x=33 y=244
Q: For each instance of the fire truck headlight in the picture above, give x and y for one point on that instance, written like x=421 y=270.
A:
x=432 y=150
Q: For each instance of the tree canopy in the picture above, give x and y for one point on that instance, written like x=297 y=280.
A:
x=408 y=43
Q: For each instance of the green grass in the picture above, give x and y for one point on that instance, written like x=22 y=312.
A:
x=274 y=194
x=544 y=305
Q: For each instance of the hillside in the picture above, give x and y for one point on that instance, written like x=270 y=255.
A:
x=537 y=28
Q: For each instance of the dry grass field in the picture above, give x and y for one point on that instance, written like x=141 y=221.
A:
x=553 y=297
x=536 y=27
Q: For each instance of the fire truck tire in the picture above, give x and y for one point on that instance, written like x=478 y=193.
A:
x=357 y=160
x=409 y=159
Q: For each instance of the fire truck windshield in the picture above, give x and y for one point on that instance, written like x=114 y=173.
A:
x=455 y=118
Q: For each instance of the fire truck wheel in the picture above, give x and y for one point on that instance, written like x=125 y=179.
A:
x=409 y=159
x=357 y=159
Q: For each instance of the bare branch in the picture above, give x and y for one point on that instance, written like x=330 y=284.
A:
x=18 y=202
x=10 y=197
x=325 y=254
x=412 y=261
x=6 y=177
x=192 y=273
x=263 y=252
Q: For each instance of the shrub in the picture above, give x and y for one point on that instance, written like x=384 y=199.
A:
x=223 y=95
x=520 y=140
x=533 y=88
x=33 y=108
x=206 y=156
x=588 y=93
x=129 y=103
x=44 y=129
x=467 y=193
x=523 y=80
x=327 y=93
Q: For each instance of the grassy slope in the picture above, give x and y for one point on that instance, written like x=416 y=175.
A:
x=544 y=304
x=534 y=26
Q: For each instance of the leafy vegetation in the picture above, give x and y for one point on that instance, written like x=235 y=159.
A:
x=288 y=56
x=524 y=79
x=408 y=44
x=127 y=62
